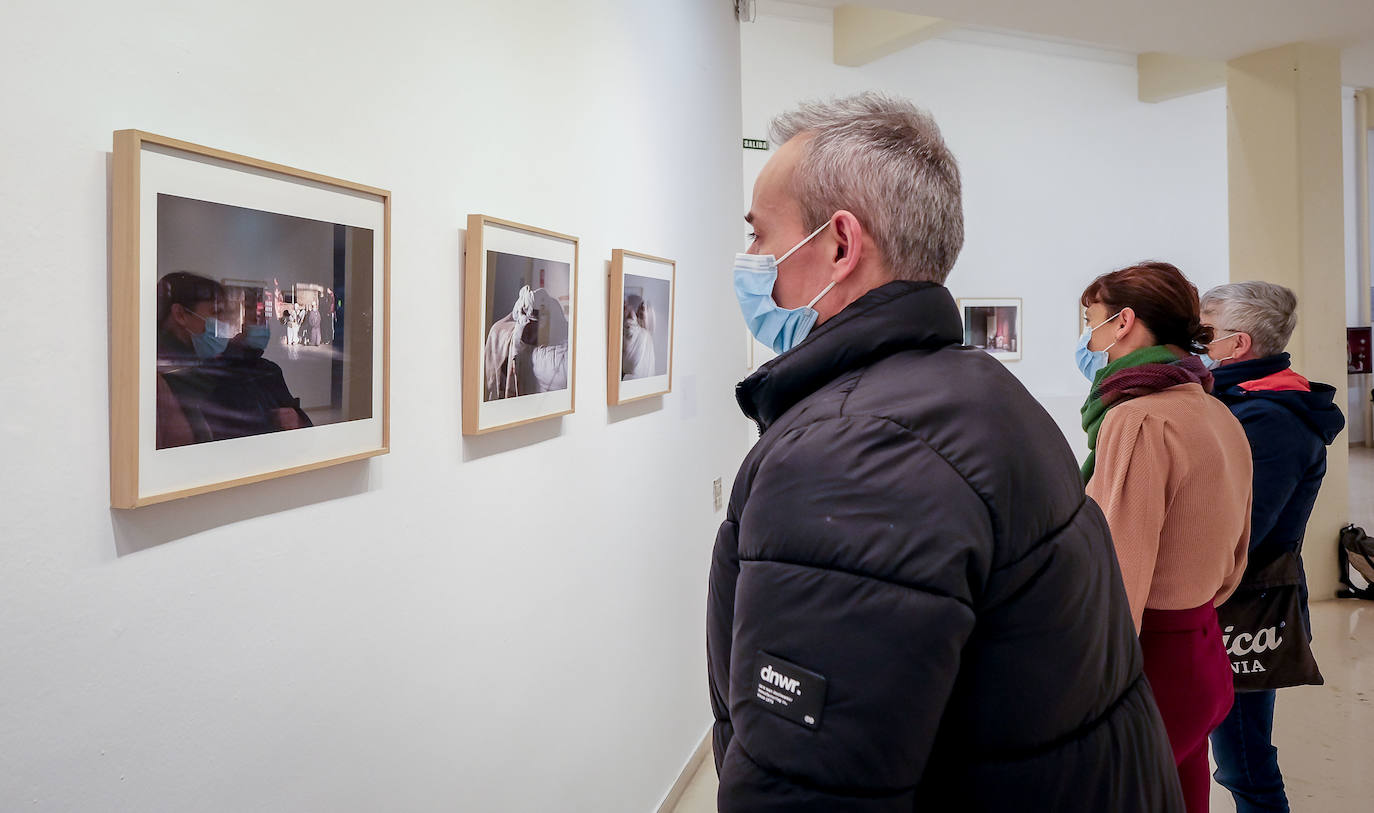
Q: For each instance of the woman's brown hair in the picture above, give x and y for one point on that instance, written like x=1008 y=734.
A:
x=1161 y=297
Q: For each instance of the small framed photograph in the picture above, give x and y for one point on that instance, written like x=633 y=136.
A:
x=639 y=327
x=519 y=325
x=249 y=333
x=994 y=326
x=1359 y=360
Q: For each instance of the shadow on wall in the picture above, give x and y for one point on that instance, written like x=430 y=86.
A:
x=476 y=447
x=143 y=528
x=634 y=409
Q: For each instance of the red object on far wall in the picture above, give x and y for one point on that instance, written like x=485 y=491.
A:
x=1358 y=351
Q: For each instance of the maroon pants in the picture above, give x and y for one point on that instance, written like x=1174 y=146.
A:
x=1190 y=674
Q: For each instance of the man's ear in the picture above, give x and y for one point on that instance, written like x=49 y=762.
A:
x=849 y=240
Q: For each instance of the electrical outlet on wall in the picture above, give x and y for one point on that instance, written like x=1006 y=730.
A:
x=717 y=494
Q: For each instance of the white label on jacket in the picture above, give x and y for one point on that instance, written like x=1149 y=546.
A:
x=788 y=690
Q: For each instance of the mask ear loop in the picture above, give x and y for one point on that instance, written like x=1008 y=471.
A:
x=826 y=289
x=804 y=242
x=1222 y=339
x=823 y=292
x=1108 y=319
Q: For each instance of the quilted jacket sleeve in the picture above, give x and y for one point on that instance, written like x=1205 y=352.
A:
x=862 y=553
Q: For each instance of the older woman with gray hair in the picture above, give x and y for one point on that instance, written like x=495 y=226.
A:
x=1289 y=422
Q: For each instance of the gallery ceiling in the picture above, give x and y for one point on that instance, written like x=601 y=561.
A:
x=1215 y=29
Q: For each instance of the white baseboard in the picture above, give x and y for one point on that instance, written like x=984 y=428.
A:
x=694 y=763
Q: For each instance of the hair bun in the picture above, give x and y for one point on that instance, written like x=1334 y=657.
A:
x=1200 y=334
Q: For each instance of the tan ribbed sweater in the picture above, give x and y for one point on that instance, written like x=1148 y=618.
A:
x=1173 y=476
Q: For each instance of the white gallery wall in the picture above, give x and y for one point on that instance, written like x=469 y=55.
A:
x=512 y=622
x=1066 y=174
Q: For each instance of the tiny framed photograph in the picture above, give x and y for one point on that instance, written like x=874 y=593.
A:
x=993 y=326
x=639 y=327
x=519 y=325
x=249 y=332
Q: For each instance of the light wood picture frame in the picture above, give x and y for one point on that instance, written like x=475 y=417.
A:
x=641 y=303
x=519 y=325
x=207 y=390
x=994 y=325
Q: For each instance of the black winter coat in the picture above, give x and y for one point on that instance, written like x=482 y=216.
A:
x=912 y=604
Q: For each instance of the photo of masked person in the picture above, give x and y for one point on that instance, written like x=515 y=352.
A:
x=213 y=383
x=190 y=333
x=265 y=364
x=526 y=349
x=645 y=331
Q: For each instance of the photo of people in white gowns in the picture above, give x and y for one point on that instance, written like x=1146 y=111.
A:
x=645 y=332
x=527 y=344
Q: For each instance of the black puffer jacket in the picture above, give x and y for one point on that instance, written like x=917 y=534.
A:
x=912 y=604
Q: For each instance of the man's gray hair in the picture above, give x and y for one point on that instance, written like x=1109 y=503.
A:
x=882 y=159
x=1266 y=311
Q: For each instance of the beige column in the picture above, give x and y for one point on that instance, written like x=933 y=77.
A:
x=1363 y=126
x=1286 y=227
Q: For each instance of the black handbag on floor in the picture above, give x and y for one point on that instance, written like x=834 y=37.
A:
x=1263 y=630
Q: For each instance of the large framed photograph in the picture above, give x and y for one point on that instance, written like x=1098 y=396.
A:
x=519 y=325
x=994 y=326
x=639 y=358
x=249 y=332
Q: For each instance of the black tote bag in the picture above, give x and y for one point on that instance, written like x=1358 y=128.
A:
x=1263 y=631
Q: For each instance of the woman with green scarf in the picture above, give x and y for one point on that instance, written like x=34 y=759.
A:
x=1170 y=467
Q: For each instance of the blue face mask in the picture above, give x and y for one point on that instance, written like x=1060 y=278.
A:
x=1212 y=363
x=1090 y=362
x=773 y=325
x=211 y=341
x=257 y=336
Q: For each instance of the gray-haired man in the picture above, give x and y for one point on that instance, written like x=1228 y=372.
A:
x=912 y=604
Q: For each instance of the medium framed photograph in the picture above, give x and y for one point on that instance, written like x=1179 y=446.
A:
x=249 y=332
x=519 y=325
x=639 y=327
x=994 y=326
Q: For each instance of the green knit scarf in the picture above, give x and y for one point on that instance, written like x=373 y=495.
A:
x=1094 y=411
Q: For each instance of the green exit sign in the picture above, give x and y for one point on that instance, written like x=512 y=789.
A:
x=755 y=144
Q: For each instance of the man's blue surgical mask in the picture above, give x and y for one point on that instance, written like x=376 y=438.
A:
x=773 y=325
x=1092 y=361
x=257 y=336
x=211 y=341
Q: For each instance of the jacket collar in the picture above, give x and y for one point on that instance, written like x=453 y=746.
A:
x=1265 y=380
x=1233 y=375
x=889 y=319
x=1282 y=381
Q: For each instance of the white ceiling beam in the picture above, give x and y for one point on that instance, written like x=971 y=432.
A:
x=865 y=34
x=1160 y=77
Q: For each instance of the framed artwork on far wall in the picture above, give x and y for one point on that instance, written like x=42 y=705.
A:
x=993 y=326
x=249 y=320
x=519 y=325
x=640 y=326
